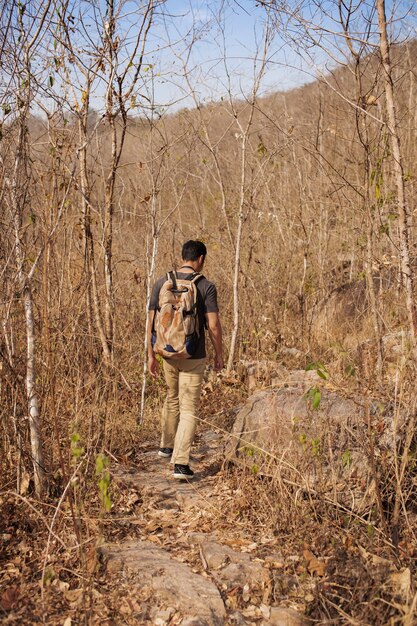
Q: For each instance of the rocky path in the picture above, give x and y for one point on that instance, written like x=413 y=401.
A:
x=181 y=568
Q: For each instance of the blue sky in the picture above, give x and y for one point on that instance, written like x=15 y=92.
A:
x=216 y=43
x=225 y=40
x=226 y=37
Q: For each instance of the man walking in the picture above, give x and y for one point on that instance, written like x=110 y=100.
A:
x=184 y=376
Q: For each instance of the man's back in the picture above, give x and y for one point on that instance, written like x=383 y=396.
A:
x=206 y=303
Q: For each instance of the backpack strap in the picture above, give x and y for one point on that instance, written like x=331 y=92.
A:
x=172 y=276
x=196 y=277
x=194 y=280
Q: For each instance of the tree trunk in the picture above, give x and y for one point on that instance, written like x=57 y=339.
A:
x=236 y=272
x=18 y=197
x=403 y=211
x=92 y=289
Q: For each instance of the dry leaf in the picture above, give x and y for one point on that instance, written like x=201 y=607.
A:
x=154 y=539
x=251 y=611
x=9 y=598
x=63 y=586
x=314 y=566
x=68 y=622
x=401 y=585
x=74 y=596
x=245 y=593
x=203 y=560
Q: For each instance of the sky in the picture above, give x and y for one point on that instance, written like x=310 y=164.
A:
x=224 y=49
x=207 y=50
x=222 y=41
x=219 y=45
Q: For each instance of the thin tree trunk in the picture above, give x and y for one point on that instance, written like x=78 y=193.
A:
x=236 y=272
x=151 y=272
x=92 y=289
x=18 y=197
x=403 y=211
x=33 y=398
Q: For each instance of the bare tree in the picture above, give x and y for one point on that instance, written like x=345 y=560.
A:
x=403 y=210
x=113 y=57
x=243 y=119
x=365 y=99
x=25 y=33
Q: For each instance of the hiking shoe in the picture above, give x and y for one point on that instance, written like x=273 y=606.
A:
x=183 y=472
x=165 y=452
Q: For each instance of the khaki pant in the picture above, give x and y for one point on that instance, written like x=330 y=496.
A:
x=179 y=415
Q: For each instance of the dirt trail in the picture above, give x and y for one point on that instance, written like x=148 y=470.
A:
x=183 y=569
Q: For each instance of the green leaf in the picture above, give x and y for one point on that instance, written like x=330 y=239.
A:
x=261 y=149
x=319 y=368
x=51 y=81
x=76 y=449
x=316 y=399
x=102 y=462
x=107 y=503
x=372 y=177
x=346 y=458
x=350 y=370
x=315 y=446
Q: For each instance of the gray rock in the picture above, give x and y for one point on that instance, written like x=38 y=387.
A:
x=282 y=422
x=172 y=582
x=229 y=567
x=278 y=431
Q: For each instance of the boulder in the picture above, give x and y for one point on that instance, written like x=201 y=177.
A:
x=279 y=432
x=344 y=316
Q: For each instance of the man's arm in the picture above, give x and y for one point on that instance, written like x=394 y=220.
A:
x=153 y=366
x=216 y=336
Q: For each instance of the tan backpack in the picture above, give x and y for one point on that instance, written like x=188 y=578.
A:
x=176 y=330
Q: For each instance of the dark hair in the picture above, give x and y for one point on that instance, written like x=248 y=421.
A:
x=191 y=250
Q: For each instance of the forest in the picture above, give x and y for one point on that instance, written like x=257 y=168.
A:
x=117 y=144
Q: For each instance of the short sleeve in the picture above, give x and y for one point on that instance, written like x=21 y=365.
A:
x=154 y=301
x=210 y=299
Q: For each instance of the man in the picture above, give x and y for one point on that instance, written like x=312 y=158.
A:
x=184 y=377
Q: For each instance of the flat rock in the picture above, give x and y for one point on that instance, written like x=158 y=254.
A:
x=173 y=583
x=228 y=566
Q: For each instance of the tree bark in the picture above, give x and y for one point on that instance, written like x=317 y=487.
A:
x=403 y=210
x=18 y=192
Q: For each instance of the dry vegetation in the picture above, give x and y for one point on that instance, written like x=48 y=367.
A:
x=319 y=263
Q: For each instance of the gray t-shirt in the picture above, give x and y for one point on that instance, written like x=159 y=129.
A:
x=206 y=303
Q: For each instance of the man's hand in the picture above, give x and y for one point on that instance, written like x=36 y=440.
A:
x=215 y=334
x=218 y=363
x=153 y=366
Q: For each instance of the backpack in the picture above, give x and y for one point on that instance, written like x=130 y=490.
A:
x=175 y=329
